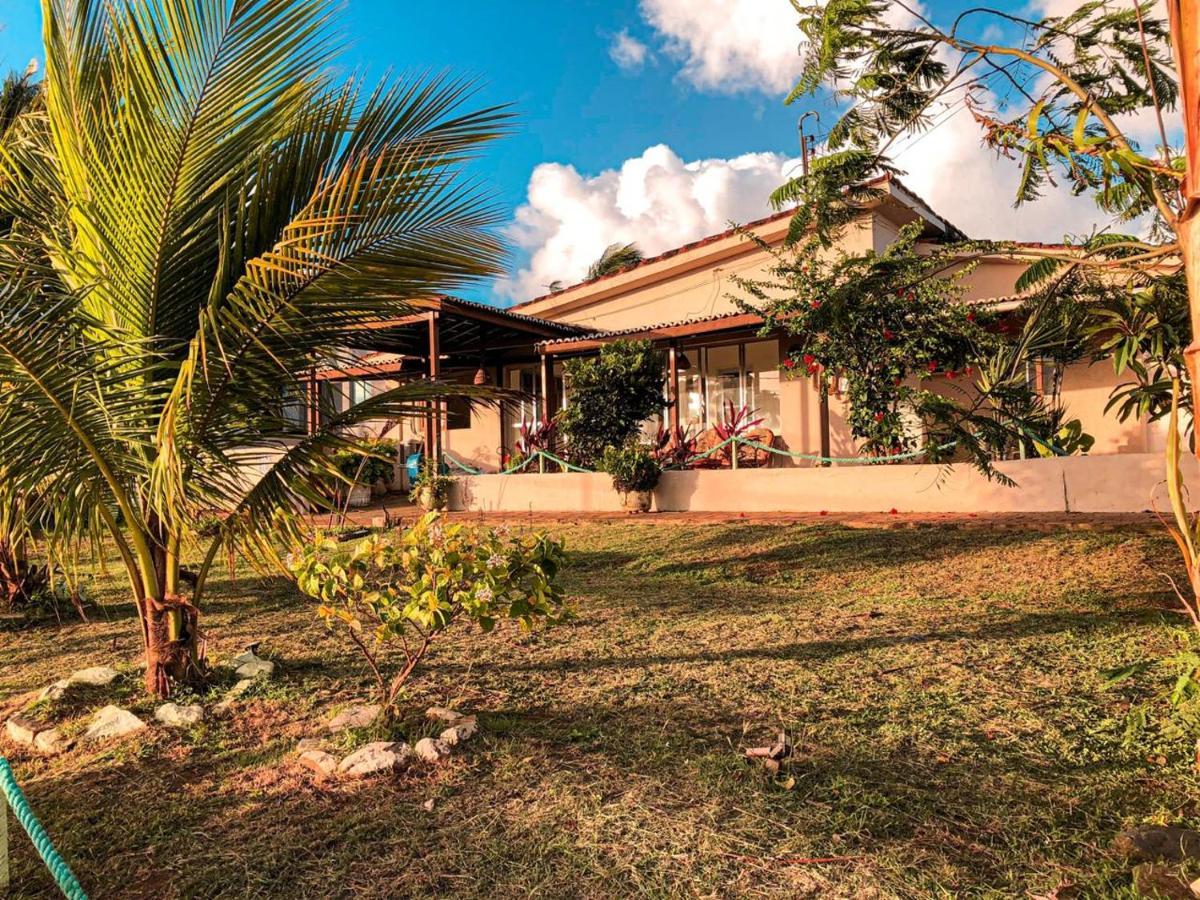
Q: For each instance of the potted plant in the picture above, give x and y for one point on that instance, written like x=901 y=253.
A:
x=432 y=489
x=635 y=473
x=379 y=470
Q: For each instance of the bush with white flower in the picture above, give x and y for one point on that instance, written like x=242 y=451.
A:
x=394 y=593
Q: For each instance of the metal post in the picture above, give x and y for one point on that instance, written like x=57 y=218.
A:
x=673 y=390
x=547 y=382
x=433 y=419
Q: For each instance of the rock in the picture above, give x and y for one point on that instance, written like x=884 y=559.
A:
x=381 y=756
x=21 y=730
x=354 y=717
x=55 y=691
x=1158 y=843
x=255 y=668
x=306 y=744
x=180 y=716
x=442 y=714
x=428 y=805
x=324 y=764
x=1159 y=881
x=112 y=721
x=432 y=751
x=462 y=730
x=232 y=695
x=51 y=741
x=96 y=676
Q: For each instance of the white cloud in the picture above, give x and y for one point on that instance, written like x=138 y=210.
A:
x=730 y=45
x=968 y=184
x=727 y=46
x=656 y=200
x=628 y=52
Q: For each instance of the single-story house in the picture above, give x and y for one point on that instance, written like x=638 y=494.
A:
x=681 y=301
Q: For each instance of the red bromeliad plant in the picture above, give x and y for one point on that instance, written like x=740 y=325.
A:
x=534 y=437
x=674 y=446
x=737 y=421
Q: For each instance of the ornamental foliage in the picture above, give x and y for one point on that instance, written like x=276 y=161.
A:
x=609 y=397
x=392 y=595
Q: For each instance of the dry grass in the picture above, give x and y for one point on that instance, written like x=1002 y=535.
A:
x=940 y=685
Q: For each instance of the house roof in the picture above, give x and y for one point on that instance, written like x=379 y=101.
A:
x=950 y=228
x=659 y=330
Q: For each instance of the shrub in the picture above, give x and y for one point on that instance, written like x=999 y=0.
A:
x=609 y=397
x=632 y=467
x=432 y=489
x=394 y=594
x=374 y=462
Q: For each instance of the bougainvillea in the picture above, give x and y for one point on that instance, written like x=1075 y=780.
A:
x=875 y=326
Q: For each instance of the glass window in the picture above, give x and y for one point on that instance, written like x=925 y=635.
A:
x=762 y=382
x=722 y=381
x=361 y=391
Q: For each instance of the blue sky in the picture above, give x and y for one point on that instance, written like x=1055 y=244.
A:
x=657 y=121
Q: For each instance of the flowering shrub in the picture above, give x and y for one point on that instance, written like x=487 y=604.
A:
x=396 y=593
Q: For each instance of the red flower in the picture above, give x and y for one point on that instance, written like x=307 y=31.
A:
x=814 y=303
x=912 y=296
x=809 y=359
x=789 y=363
x=878 y=417
x=932 y=365
x=887 y=334
x=893 y=511
x=971 y=316
x=951 y=374
x=897 y=381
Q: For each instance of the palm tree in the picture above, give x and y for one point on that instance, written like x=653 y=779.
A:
x=614 y=258
x=199 y=213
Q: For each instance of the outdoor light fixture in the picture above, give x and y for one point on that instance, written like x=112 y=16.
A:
x=481 y=375
x=682 y=363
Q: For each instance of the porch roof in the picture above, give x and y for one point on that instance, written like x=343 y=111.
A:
x=665 y=331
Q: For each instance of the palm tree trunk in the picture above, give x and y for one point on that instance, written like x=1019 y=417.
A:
x=169 y=621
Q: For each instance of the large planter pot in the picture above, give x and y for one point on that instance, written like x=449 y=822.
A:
x=426 y=500
x=636 y=501
x=360 y=496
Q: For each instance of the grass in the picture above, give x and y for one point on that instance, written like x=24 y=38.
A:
x=952 y=735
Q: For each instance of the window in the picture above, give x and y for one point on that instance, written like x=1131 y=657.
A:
x=741 y=374
x=361 y=391
x=458 y=413
x=528 y=380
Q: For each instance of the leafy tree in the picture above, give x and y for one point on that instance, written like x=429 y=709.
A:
x=200 y=212
x=615 y=258
x=1074 y=77
x=610 y=396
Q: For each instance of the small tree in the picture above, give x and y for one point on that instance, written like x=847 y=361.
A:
x=394 y=595
x=609 y=397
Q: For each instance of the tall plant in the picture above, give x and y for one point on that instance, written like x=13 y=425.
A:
x=200 y=213
x=609 y=397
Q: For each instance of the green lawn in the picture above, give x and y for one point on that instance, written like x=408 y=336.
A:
x=940 y=685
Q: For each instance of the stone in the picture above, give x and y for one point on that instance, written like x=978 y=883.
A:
x=255 y=668
x=1160 y=882
x=51 y=741
x=442 y=714
x=177 y=716
x=431 y=750
x=306 y=744
x=324 y=764
x=462 y=730
x=111 y=722
x=96 y=676
x=1158 y=843
x=55 y=691
x=354 y=717
x=428 y=805
x=21 y=730
x=373 y=759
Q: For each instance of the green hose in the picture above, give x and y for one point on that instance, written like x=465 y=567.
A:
x=58 y=867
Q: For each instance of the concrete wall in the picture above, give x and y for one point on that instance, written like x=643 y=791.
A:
x=1125 y=483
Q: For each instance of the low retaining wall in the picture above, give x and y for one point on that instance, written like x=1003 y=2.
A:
x=1102 y=484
